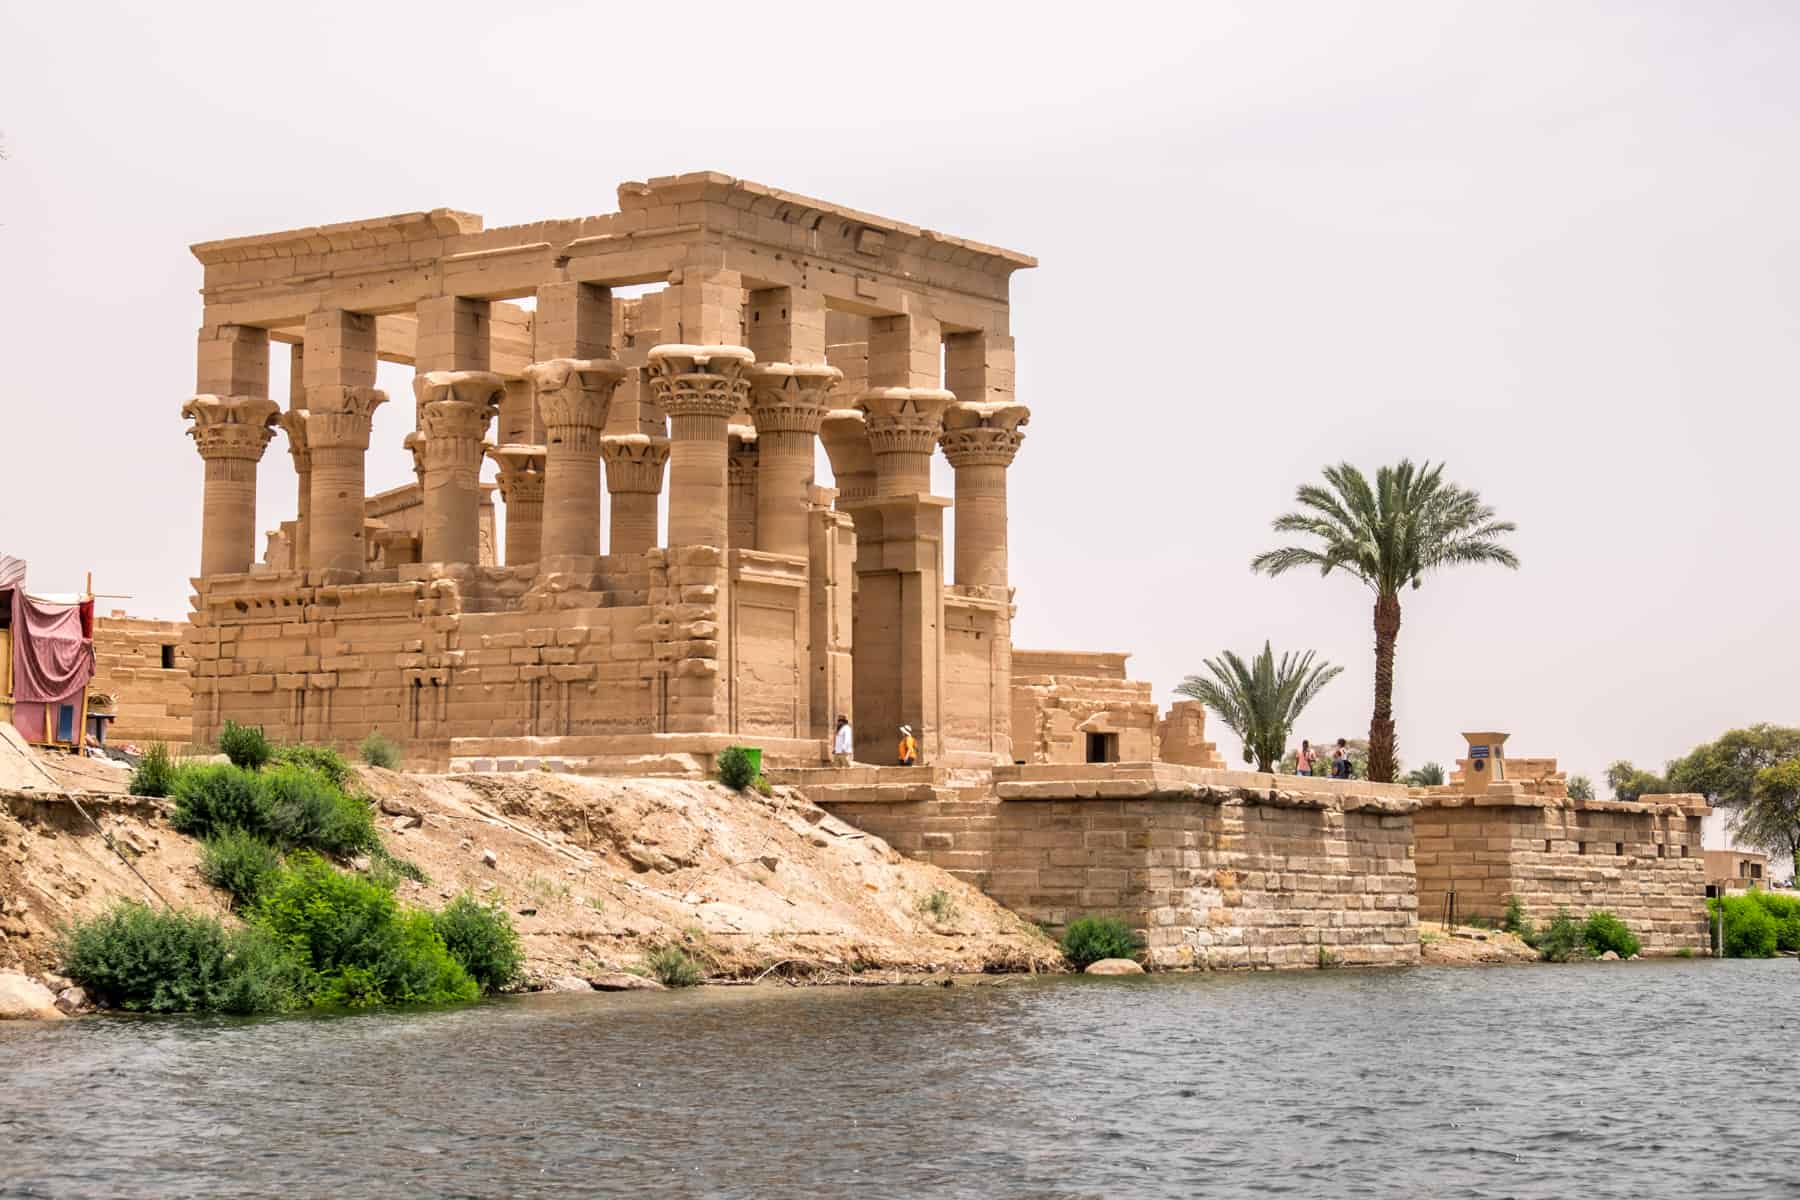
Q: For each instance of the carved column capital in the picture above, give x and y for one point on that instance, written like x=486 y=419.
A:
x=575 y=393
x=785 y=398
x=231 y=427
x=742 y=454
x=481 y=388
x=521 y=471
x=904 y=420
x=293 y=423
x=414 y=444
x=453 y=430
x=634 y=462
x=983 y=434
x=708 y=381
x=339 y=417
x=845 y=433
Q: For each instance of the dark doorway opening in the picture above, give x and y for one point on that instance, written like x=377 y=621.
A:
x=1102 y=747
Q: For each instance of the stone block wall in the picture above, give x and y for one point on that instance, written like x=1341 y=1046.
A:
x=153 y=701
x=1059 y=697
x=1216 y=868
x=1641 y=861
x=977 y=678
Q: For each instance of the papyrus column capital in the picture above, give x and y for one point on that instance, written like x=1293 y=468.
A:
x=575 y=394
x=634 y=462
x=790 y=398
x=231 y=427
x=706 y=381
x=983 y=434
x=845 y=433
x=521 y=471
x=339 y=417
x=903 y=425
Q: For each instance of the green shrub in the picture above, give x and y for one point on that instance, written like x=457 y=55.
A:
x=323 y=759
x=939 y=905
x=244 y=745
x=1561 y=940
x=1515 y=921
x=359 y=946
x=736 y=770
x=148 y=960
x=154 y=773
x=239 y=862
x=379 y=750
x=1785 y=910
x=304 y=809
x=1087 y=940
x=481 y=937
x=213 y=797
x=1750 y=932
x=1604 y=931
x=674 y=967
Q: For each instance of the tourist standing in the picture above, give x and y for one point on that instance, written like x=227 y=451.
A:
x=909 y=749
x=843 y=743
x=1340 y=761
x=1303 y=762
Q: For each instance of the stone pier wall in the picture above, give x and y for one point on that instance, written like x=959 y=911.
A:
x=1215 y=868
x=1641 y=861
x=153 y=701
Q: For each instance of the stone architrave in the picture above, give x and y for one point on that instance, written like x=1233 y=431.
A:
x=574 y=396
x=231 y=433
x=788 y=404
x=338 y=421
x=293 y=423
x=981 y=440
x=699 y=388
x=456 y=407
x=634 y=479
x=522 y=487
x=903 y=425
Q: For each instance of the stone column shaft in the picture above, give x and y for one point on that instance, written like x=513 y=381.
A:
x=981 y=440
x=574 y=396
x=700 y=388
x=522 y=487
x=337 y=434
x=788 y=404
x=455 y=408
x=230 y=433
x=634 y=477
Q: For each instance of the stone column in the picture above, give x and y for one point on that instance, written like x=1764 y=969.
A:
x=980 y=440
x=634 y=478
x=293 y=423
x=338 y=419
x=522 y=487
x=699 y=388
x=231 y=433
x=742 y=454
x=845 y=432
x=573 y=398
x=455 y=408
x=788 y=404
x=903 y=428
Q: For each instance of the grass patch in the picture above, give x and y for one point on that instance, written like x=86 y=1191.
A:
x=674 y=967
x=323 y=759
x=1087 y=940
x=939 y=905
x=547 y=890
x=379 y=750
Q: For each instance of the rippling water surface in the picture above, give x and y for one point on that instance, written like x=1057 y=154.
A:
x=1641 y=1079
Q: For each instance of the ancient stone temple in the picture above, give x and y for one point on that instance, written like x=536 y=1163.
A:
x=692 y=353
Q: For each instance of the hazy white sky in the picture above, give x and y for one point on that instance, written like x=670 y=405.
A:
x=1551 y=243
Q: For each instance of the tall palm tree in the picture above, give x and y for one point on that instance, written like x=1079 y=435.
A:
x=1389 y=536
x=1259 y=700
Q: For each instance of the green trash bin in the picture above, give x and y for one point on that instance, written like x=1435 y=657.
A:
x=755 y=753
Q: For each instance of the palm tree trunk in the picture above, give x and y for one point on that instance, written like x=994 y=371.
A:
x=1381 y=725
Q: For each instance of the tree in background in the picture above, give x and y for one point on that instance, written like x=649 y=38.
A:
x=1259 y=701
x=1725 y=771
x=1390 y=536
x=1581 y=787
x=1771 y=819
x=1629 y=783
x=1429 y=775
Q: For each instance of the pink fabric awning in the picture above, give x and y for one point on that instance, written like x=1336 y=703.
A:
x=52 y=660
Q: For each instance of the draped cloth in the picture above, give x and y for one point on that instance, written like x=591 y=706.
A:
x=52 y=660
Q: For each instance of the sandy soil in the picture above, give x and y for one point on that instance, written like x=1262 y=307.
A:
x=597 y=872
x=1465 y=945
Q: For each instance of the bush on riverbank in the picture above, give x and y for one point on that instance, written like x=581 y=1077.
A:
x=1751 y=931
x=1087 y=940
x=289 y=805
x=482 y=938
x=148 y=960
x=244 y=745
x=1603 y=931
x=674 y=967
x=154 y=773
x=1784 y=910
x=240 y=863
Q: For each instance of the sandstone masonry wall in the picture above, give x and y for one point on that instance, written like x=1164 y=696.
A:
x=153 y=702
x=1641 y=861
x=1061 y=696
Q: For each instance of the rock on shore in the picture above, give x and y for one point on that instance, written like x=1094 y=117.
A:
x=23 y=998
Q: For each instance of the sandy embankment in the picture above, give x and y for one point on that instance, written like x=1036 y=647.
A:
x=597 y=872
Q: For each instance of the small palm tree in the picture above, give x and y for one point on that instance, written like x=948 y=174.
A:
x=1411 y=522
x=1260 y=700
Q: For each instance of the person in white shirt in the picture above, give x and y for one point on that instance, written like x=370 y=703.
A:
x=843 y=743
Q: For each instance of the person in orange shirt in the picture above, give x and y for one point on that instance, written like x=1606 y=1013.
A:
x=909 y=749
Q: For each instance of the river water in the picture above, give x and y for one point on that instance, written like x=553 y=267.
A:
x=1665 y=1078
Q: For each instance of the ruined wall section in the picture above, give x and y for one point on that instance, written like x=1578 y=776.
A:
x=153 y=702
x=977 y=677
x=1217 y=869
x=1061 y=696
x=1640 y=861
